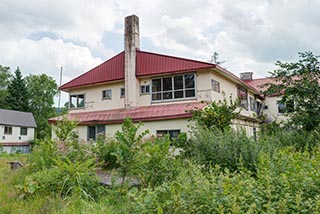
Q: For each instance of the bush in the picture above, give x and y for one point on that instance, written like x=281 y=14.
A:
x=155 y=163
x=228 y=149
x=64 y=178
x=104 y=151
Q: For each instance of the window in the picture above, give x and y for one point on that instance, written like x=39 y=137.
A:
x=8 y=130
x=95 y=131
x=285 y=107
x=77 y=101
x=215 y=85
x=172 y=88
x=265 y=107
x=243 y=97
x=122 y=92
x=172 y=133
x=106 y=94
x=253 y=104
x=23 y=131
x=145 y=89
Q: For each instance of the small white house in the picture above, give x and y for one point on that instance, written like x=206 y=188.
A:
x=16 y=131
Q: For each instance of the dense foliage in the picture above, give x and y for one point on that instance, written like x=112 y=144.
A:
x=5 y=77
x=299 y=85
x=219 y=172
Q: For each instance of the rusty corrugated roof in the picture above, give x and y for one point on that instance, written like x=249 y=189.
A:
x=143 y=113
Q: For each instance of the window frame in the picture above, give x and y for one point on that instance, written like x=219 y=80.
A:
x=167 y=131
x=253 y=104
x=173 y=91
x=77 y=101
x=24 y=133
x=284 y=107
x=143 y=89
x=122 y=92
x=7 y=130
x=104 y=93
x=215 y=85
x=241 y=104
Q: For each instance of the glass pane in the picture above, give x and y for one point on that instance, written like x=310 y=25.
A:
x=178 y=94
x=80 y=100
x=167 y=84
x=91 y=133
x=73 y=101
x=174 y=133
x=178 y=82
x=156 y=96
x=190 y=93
x=189 y=81
x=156 y=85
x=167 y=95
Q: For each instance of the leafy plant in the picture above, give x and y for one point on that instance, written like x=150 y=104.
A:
x=216 y=115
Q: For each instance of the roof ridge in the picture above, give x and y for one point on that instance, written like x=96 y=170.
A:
x=181 y=58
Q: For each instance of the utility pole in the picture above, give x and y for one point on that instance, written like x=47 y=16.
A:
x=59 y=109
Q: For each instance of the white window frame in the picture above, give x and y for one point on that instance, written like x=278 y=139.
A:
x=105 y=92
x=143 y=89
x=184 y=89
x=214 y=84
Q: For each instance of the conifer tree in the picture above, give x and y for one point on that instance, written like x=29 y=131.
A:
x=17 y=98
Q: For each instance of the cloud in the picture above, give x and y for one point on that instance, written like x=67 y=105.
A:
x=47 y=56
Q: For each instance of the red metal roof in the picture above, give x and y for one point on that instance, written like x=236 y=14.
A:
x=110 y=70
x=152 y=64
x=257 y=83
x=143 y=113
x=147 y=64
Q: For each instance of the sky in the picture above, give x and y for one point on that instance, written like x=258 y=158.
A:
x=40 y=36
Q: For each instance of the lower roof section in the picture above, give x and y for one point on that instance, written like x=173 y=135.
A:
x=142 y=113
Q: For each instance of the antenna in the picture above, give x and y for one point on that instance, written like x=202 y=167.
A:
x=59 y=109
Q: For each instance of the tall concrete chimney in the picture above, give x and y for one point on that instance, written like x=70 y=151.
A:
x=131 y=44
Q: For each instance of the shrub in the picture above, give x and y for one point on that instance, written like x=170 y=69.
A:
x=104 y=151
x=228 y=149
x=155 y=163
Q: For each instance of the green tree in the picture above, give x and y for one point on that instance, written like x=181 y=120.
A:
x=18 y=97
x=216 y=114
x=298 y=83
x=42 y=90
x=5 y=76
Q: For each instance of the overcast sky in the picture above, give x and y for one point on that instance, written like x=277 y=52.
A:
x=250 y=35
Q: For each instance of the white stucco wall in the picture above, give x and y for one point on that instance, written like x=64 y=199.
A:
x=15 y=136
x=93 y=97
x=272 y=112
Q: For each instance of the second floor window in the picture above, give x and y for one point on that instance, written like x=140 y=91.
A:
x=145 y=89
x=285 y=107
x=253 y=104
x=23 y=131
x=243 y=97
x=215 y=85
x=106 y=94
x=173 y=88
x=8 y=130
x=77 y=101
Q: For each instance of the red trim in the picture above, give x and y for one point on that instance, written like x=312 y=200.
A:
x=15 y=143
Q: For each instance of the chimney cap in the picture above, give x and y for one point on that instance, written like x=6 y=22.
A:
x=246 y=75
